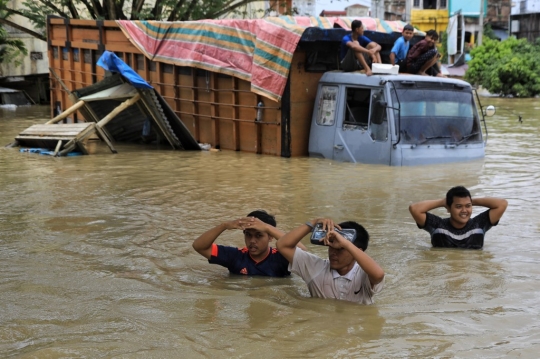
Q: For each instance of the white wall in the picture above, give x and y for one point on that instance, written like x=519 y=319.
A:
x=315 y=7
x=29 y=66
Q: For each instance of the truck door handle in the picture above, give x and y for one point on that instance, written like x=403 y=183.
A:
x=338 y=147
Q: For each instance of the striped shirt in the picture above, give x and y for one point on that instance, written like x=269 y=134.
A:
x=443 y=234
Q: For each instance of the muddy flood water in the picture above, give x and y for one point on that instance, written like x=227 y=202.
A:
x=96 y=257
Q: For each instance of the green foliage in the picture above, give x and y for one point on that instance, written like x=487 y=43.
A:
x=509 y=67
x=37 y=13
x=164 y=10
x=488 y=33
x=11 y=50
x=443 y=49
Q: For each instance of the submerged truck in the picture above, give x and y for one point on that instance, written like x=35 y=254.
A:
x=273 y=86
x=396 y=120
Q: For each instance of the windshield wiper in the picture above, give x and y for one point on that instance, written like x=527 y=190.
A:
x=433 y=138
x=465 y=138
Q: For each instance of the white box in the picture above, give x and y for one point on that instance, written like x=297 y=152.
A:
x=385 y=69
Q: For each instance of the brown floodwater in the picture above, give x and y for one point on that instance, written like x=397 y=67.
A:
x=96 y=257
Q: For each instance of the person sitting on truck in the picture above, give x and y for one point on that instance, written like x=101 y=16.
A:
x=424 y=55
x=355 y=47
x=348 y=273
x=458 y=231
x=399 y=51
x=257 y=257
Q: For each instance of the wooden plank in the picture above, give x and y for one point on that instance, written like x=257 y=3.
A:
x=118 y=109
x=236 y=127
x=43 y=138
x=63 y=130
x=105 y=137
x=60 y=127
x=81 y=147
x=70 y=146
x=66 y=113
x=58 y=145
x=63 y=125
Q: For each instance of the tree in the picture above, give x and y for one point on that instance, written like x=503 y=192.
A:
x=11 y=50
x=508 y=67
x=169 y=10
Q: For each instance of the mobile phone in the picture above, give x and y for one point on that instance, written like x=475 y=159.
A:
x=319 y=233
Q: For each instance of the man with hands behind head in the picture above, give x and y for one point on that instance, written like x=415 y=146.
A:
x=460 y=230
x=257 y=257
x=348 y=273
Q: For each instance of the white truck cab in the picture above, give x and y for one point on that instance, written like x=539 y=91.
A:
x=395 y=120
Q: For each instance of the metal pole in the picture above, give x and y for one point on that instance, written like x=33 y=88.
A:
x=481 y=23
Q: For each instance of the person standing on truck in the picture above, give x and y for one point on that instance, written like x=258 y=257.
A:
x=424 y=56
x=257 y=257
x=458 y=231
x=348 y=273
x=355 y=47
x=398 y=55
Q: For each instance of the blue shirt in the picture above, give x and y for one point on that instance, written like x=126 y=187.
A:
x=238 y=261
x=400 y=49
x=362 y=40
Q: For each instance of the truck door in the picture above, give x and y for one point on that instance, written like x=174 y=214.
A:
x=362 y=129
x=323 y=128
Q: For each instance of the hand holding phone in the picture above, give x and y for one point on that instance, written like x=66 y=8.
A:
x=318 y=235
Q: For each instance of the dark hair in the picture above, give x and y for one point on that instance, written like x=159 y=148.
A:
x=408 y=27
x=263 y=216
x=355 y=24
x=362 y=236
x=458 y=191
x=433 y=34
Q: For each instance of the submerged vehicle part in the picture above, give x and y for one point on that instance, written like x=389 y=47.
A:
x=395 y=120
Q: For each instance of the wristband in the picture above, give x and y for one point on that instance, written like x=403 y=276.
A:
x=308 y=223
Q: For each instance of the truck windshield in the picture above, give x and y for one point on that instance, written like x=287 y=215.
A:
x=430 y=116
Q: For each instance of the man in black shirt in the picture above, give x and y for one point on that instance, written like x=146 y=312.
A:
x=460 y=230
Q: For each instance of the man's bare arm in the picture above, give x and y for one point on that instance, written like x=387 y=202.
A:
x=368 y=264
x=203 y=244
x=392 y=58
x=419 y=209
x=497 y=207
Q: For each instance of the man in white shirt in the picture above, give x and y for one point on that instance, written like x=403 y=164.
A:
x=348 y=273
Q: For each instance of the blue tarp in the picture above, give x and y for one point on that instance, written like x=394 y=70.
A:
x=110 y=62
x=47 y=152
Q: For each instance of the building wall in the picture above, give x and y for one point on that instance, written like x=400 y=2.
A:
x=498 y=13
x=304 y=7
x=357 y=10
x=252 y=10
x=429 y=19
x=525 y=26
x=36 y=62
x=395 y=10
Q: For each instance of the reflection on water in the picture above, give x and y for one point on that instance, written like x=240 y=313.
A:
x=97 y=259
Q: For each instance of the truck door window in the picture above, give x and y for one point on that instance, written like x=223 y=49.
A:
x=357 y=107
x=378 y=125
x=327 y=106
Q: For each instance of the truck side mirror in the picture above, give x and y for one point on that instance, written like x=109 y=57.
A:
x=379 y=112
x=489 y=111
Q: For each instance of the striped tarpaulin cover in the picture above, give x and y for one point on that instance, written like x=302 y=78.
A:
x=256 y=50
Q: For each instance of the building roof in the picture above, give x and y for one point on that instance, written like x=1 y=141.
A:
x=357 y=5
x=333 y=13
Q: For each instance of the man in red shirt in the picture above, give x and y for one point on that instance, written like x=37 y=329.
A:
x=424 y=56
x=257 y=257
